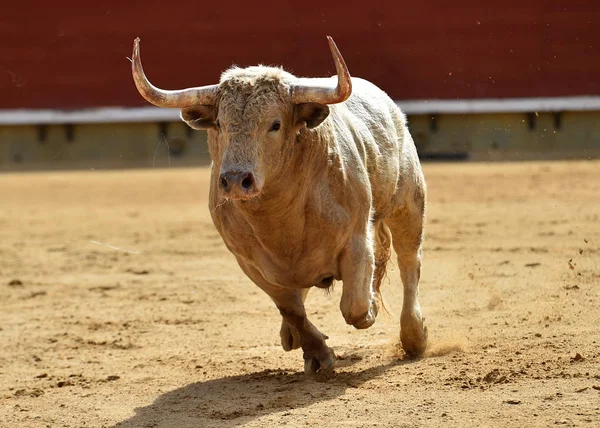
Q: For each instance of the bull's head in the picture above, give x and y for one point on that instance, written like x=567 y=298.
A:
x=253 y=117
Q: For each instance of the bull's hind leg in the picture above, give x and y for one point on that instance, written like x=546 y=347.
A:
x=317 y=355
x=406 y=226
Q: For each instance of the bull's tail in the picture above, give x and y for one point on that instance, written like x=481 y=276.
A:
x=383 y=252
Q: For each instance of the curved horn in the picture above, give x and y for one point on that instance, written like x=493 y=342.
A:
x=320 y=90
x=203 y=95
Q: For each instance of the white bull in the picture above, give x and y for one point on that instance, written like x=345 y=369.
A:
x=312 y=180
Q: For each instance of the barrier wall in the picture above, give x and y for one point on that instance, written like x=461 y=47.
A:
x=72 y=54
x=478 y=137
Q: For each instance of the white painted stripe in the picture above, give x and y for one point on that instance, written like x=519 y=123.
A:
x=98 y=115
x=501 y=105
x=412 y=107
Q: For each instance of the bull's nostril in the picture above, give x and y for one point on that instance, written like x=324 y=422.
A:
x=248 y=182
x=224 y=183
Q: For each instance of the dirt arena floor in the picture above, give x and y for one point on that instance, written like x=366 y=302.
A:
x=120 y=306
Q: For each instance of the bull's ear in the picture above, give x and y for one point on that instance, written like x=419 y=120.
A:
x=311 y=113
x=200 y=117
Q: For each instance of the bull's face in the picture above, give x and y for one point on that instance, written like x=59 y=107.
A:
x=253 y=117
x=252 y=131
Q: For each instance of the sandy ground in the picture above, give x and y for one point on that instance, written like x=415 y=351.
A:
x=121 y=306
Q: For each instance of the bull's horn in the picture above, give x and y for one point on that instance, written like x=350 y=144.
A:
x=203 y=95
x=318 y=90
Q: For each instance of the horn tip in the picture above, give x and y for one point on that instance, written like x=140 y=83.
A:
x=333 y=47
x=136 y=47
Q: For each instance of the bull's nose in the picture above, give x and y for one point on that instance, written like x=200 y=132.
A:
x=238 y=183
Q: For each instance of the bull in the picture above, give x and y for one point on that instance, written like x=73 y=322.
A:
x=312 y=180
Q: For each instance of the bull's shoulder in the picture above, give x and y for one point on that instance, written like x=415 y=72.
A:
x=374 y=142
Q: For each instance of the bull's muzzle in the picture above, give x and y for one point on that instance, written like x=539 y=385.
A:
x=238 y=184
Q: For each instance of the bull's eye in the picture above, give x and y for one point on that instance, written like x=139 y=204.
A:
x=275 y=127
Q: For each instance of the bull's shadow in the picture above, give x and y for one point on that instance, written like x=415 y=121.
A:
x=232 y=401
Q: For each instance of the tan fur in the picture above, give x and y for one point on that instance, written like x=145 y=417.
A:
x=330 y=201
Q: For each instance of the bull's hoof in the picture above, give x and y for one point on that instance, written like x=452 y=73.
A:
x=321 y=362
x=414 y=340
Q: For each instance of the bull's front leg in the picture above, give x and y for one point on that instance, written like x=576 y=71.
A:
x=317 y=355
x=290 y=338
x=296 y=329
x=358 y=303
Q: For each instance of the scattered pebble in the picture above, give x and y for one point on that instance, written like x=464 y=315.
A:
x=33 y=295
x=33 y=393
x=577 y=358
x=105 y=287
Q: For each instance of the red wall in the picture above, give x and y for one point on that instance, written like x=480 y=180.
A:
x=69 y=54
